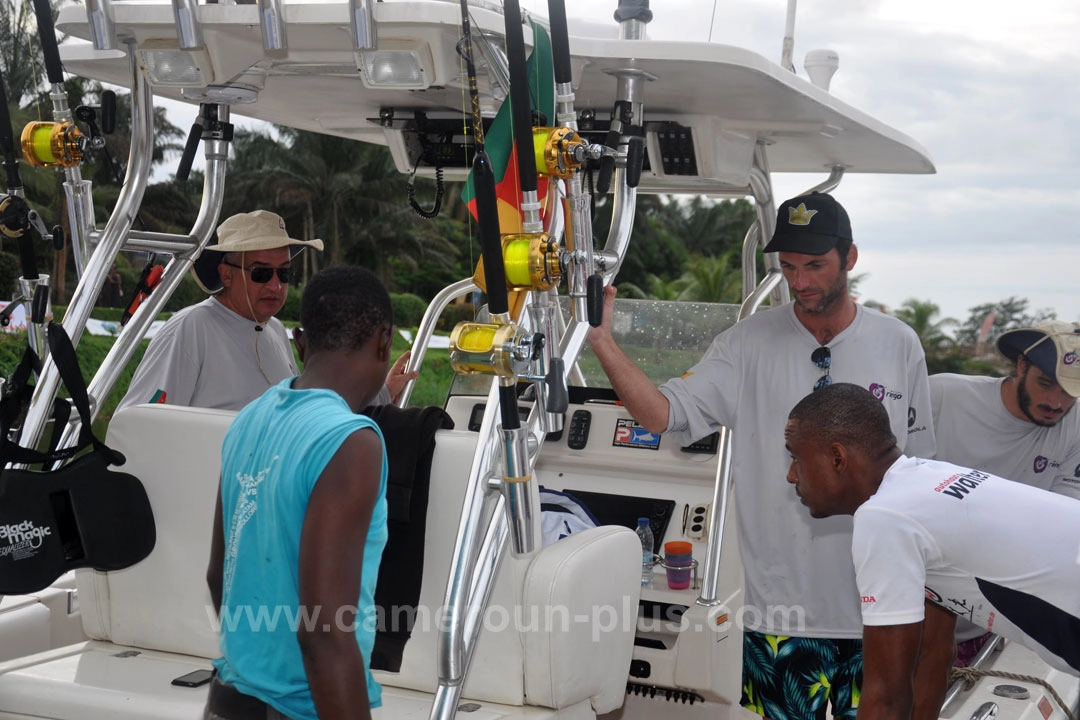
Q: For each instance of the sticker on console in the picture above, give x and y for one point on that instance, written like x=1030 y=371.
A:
x=629 y=434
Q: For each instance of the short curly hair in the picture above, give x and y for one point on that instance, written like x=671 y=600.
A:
x=342 y=307
x=847 y=414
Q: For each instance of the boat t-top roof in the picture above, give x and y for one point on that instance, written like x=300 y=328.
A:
x=707 y=105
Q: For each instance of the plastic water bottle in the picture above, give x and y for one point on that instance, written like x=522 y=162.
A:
x=644 y=533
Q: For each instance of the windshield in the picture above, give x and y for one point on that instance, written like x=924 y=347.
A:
x=664 y=338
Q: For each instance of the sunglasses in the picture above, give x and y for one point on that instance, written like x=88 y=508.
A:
x=262 y=275
x=822 y=357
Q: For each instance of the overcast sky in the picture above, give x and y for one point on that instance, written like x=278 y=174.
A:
x=988 y=87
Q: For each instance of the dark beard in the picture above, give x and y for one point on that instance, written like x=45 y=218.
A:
x=834 y=295
x=1024 y=400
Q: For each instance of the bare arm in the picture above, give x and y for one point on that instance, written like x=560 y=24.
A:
x=646 y=404
x=890 y=655
x=215 y=570
x=331 y=563
x=935 y=661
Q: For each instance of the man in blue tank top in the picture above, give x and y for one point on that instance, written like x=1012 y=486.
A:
x=300 y=524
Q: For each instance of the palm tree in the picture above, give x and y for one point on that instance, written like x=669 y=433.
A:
x=919 y=315
x=346 y=192
x=656 y=288
x=713 y=279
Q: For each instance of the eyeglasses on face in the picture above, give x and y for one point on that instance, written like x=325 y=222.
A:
x=262 y=275
x=822 y=357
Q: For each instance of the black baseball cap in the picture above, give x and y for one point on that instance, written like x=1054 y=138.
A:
x=810 y=224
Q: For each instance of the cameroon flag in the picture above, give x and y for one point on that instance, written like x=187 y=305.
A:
x=499 y=140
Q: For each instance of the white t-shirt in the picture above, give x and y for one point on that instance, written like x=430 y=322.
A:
x=974 y=429
x=936 y=530
x=208 y=356
x=799 y=578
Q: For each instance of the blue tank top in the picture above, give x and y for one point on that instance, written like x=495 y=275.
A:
x=273 y=453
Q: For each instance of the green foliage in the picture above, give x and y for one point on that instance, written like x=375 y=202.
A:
x=9 y=274
x=433 y=383
x=290 y=312
x=713 y=279
x=91 y=351
x=1008 y=314
x=408 y=309
x=187 y=293
x=456 y=313
x=671 y=241
x=920 y=316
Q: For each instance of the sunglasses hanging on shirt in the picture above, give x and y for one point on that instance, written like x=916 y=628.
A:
x=822 y=357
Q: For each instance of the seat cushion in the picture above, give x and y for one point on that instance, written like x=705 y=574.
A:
x=586 y=589
x=176 y=453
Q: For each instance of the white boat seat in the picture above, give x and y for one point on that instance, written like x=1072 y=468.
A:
x=176 y=452
x=24 y=626
x=155 y=619
x=518 y=661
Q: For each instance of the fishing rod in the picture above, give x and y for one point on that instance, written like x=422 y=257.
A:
x=16 y=219
x=500 y=347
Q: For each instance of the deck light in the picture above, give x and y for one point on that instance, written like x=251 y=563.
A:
x=401 y=69
x=172 y=67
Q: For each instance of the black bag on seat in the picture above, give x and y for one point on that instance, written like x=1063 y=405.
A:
x=79 y=515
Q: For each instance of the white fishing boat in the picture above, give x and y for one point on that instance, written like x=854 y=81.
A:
x=504 y=628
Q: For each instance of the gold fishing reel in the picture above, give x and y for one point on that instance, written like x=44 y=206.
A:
x=531 y=262
x=490 y=349
x=560 y=152
x=52 y=144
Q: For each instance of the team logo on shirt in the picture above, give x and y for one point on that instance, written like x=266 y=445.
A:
x=1069 y=359
x=931 y=595
x=958 y=486
x=910 y=416
x=881 y=392
x=1040 y=463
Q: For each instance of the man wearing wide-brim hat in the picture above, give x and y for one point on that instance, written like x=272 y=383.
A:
x=1019 y=427
x=227 y=350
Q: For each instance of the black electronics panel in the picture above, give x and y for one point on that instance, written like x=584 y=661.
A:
x=625 y=510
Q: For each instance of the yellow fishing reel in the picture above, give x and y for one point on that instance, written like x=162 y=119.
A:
x=53 y=144
x=531 y=262
x=560 y=152
x=490 y=349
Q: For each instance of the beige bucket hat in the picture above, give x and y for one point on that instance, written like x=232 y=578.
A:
x=245 y=232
